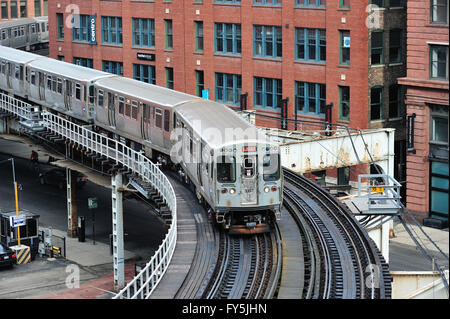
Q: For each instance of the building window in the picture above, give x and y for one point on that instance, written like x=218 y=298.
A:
x=267 y=2
x=199 y=82
x=395 y=101
x=144 y=73
x=344 y=4
x=396 y=3
x=23 y=9
x=395 y=46
x=379 y=3
x=343 y=175
x=227 y=1
x=112 y=67
x=310 y=97
x=439 y=62
x=344 y=47
x=267 y=92
x=311 y=45
x=439 y=124
x=310 y=3
x=112 y=30
x=80 y=28
x=439 y=181
x=376 y=103
x=59 y=26
x=169 y=78
x=198 y=36
x=168 y=34
x=4 y=10
x=377 y=47
x=228 y=88
x=344 y=103
x=61 y=58
x=227 y=38
x=267 y=41
x=37 y=8
x=439 y=11
x=13 y=7
x=45 y=8
x=83 y=62
x=143 y=32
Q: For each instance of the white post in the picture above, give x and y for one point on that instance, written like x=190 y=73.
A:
x=117 y=220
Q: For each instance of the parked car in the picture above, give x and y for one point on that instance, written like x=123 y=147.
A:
x=57 y=177
x=7 y=256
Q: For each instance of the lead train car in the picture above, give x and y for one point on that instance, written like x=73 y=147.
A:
x=235 y=171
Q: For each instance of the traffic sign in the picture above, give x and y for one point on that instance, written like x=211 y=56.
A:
x=92 y=202
x=16 y=221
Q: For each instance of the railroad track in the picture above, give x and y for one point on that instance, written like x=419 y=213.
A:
x=340 y=260
x=247 y=267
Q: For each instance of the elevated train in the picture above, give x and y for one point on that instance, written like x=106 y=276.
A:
x=24 y=33
x=236 y=170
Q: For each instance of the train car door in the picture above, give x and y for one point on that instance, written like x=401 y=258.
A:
x=157 y=136
x=249 y=191
x=111 y=110
x=41 y=77
x=68 y=94
x=145 y=121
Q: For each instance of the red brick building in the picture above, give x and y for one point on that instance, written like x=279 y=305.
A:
x=313 y=52
x=427 y=99
x=16 y=9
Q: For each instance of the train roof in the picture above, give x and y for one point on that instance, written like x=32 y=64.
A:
x=68 y=70
x=218 y=124
x=144 y=91
x=16 y=22
x=17 y=55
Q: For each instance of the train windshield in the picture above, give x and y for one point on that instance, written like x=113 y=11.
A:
x=226 y=171
x=271 y=167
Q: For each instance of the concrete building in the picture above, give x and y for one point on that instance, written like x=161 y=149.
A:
x=427 y=99
x=15 y=9
x=309 y=53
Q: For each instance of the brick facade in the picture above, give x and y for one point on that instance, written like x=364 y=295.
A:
x=422 y=93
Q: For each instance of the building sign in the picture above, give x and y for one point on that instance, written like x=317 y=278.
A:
x=93 y=29
x=205 y=94
x=346 y=42
x=411 y=133
x=146 y=56
x=16 y=221
x=92 y=202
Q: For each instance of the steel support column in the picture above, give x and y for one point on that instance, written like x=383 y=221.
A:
x=117 y=230
x=71 y=204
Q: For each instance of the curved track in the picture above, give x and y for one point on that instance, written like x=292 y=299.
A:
x=344 y=263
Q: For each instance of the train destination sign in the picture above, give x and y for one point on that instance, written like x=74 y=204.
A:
x=146 y=56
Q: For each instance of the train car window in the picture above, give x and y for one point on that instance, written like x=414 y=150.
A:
x=59 y=85
x=121 y=105
x=33 y=28
x=22 y=31
x=33 y=77
x=226 y=172
x=166 y=120
x=49 y=82
x=17 y=72
x=54 y=83
x=38 y=27
x=158 y=118
x=146 y=112
x=14 y=32
x=78 y=91
x=134 y=109
x=3 y=67
x=271 y=167
x=100 y=98
x=91 y=94
x=128 y=108
x=4 y=35
x=249 y=166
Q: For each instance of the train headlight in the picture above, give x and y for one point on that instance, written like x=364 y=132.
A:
x=232 y=191
x=266 y=189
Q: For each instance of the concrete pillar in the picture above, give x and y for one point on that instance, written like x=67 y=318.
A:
x=117 y=230
x=72 y=213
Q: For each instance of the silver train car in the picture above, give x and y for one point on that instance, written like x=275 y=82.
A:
x=235 y=169
x=24 y=33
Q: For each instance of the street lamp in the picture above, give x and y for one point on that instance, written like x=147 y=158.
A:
x=15 y=193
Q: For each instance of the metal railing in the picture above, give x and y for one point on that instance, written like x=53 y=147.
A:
x=379 y=189
x=146 y=281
